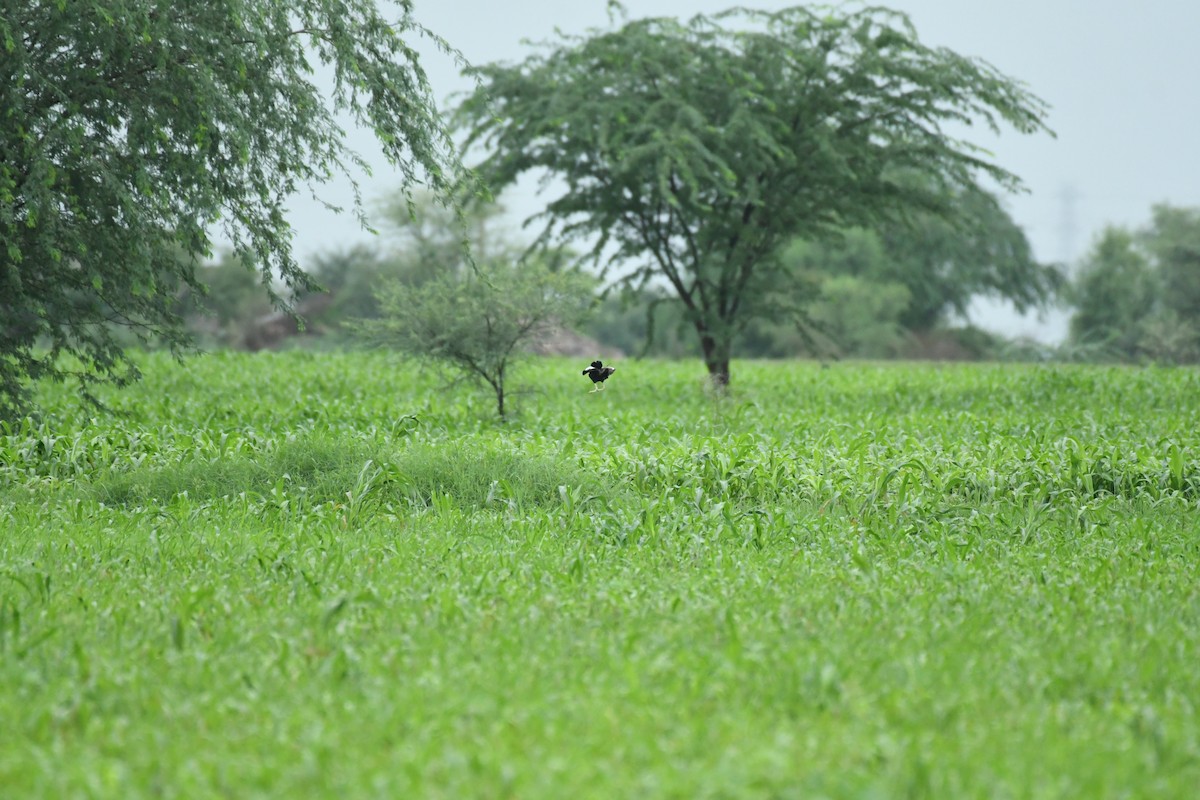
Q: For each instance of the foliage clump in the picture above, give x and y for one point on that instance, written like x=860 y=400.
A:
x=130 y=134
x=1137 y=293
x=479 y=322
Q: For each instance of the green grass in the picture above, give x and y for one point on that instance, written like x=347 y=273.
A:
x=299 y=575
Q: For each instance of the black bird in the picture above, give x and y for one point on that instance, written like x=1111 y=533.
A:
x=599 y=374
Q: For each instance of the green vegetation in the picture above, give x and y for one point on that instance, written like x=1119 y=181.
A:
x=135 y=133
x=1137 y=294
x=880 y=287
x=475 y=318
x=689 y=153
x=296 y=575
x=480 y=323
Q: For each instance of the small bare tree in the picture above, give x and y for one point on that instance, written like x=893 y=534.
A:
x=478 y=322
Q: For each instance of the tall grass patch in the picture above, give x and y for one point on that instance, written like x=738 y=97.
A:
x=322 y=469
x=470 y=476
x=473 y=476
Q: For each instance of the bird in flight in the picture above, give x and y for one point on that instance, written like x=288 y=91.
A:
x=599 y=374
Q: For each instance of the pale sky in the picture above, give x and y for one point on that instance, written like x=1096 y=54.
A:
x=1119 y=75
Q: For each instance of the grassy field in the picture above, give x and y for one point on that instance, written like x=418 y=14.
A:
x=300 y=575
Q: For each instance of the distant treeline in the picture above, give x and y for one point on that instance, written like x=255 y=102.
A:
x=900 y=292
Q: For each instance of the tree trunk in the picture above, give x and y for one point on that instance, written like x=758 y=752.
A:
x=497 y=382
x=718 y=373
x=716 y=358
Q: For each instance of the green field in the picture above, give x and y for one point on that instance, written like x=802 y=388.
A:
x=326 y=575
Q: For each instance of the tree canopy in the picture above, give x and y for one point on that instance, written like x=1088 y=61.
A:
x=946 y=260
x=1137 y=293
x=942 y=260
x=136 y=130
x=689 y=152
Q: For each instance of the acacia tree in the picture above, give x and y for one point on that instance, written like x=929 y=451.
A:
x=691 y=151
x=132 y=131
